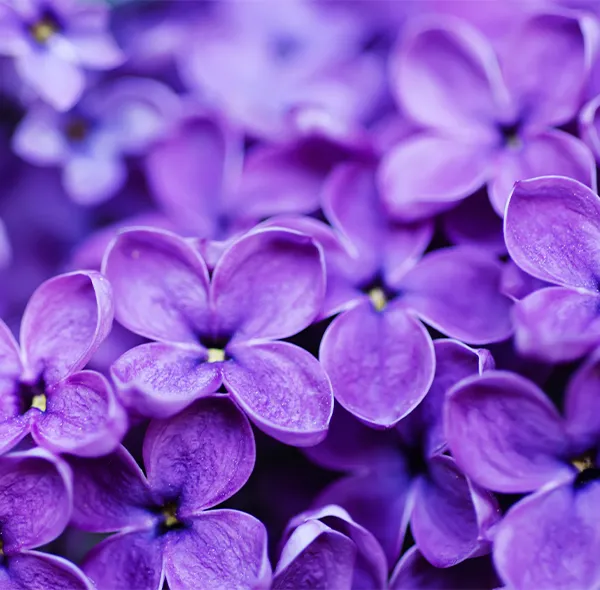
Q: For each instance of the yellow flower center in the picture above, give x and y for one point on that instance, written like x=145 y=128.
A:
x=39 y=402
x=216 y=355
x=169 y=516
x=43 y=30
x=378 y=298
x=582 y=463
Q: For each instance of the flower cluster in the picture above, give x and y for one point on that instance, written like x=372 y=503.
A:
x=299 y=294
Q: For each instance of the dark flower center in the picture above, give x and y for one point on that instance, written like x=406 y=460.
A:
x=32 y=395
x=77 y=129
x=285 y=47
x=216 y=347
x=169 y=519
x=510 y=135
x=378 y=293
x=44 y=28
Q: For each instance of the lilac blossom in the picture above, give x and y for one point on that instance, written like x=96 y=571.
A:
x=268 y=285
x=90 y=142
x=284 y=62
x=552 y=232
x=325 y=548
x=53 y=42
x=486 y=118
x=377 y=344
x=36 y=498
x=508 y=436
x=193 y=462
x=403 y=475
x=44 y=392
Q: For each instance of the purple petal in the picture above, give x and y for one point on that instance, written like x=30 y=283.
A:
x=109 y=493
x=268 y=284
x=283 y=389
x=370 y=566
x=352 y=205
x=446 y=76
x=158 y=380
x=516 y=283
x=454 y=361
x=557 y=324
x=35 y=499
x=547 y=47
x=551 y=540
x=64 y=322
x=39 y=571
x=38 y=138
x=582 y=403
x=414 y=571
x=160 y=284
x=444 y=521
x=96 y=50
x=10 y=361
x=589 y=126
x=56 y=80
x=454 y=170
x=201 y=456
x=381 y=364
x=489 y=441
x=379 y=500
x=568 y=255
x=91 y=178
x=315 y=556
x=457 y=291
x=126 y=561
x=206 y=155
x=550 y=152
x=238 y=539
x=82 y=417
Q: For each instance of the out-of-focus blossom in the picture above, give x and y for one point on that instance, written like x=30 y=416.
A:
x=403 y=475
x=54 y=41
x=44 y=392
x=90 y=142
x=485 y=120
x=326 y=548
x=268 y=63
x=508 y=436
x=552 y=231
x=222 y=330
x=193 y=462
x=36 y=496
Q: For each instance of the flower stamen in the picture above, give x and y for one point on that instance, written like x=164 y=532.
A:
x=378 y=298
x=216 y=355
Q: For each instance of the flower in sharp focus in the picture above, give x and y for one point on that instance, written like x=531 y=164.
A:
x=165 y=522
x=54 y=41
x=36 y=498
x=43 y=390
x=223 y=329
x=403 y=475
x=326 y=548
x=506 y=435
x=552 y=231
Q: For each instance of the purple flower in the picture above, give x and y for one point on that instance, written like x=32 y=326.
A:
x=53 y=41
x=268 y=285
x=117 y=119
x=552 y=231
x=43 y=391
x=486 y=121
x=285 y=63
x=194 y=461
x=325 y=548
x=5 y=251
x=508 y=436
x=414 y=571
x=377 y=345
x=35 y=506
x=402 y=475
